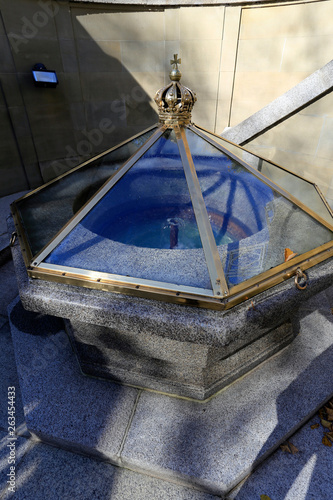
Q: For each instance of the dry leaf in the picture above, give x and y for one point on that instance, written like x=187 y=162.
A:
x=321 y=413
x=292 y=448
x=327 y=424
x=252 y=305
x=288 y=254
x=285 y=447
x=265 y=497
x=329 y=412
x=329 y=403
x=326 y=441
x=314 y=426
x=329 y=435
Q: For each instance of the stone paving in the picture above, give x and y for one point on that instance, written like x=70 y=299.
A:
x=47 y=472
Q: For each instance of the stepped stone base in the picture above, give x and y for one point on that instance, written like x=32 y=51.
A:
x=166 y=365
x=210 y=445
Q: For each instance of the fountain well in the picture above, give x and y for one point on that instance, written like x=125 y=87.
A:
x=176 y=258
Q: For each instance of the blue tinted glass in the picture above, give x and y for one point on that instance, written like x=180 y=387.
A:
x=252 y=223
x=144 y=227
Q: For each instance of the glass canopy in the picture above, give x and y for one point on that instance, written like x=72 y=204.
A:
x=177 y=214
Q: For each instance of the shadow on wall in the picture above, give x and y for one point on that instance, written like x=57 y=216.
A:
x=98 y=102
x=113 y=106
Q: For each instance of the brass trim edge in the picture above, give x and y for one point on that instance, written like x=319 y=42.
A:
x=150 y=292
x=104 y=277
x=282 y=273
x=213 y=261
x=181 y=295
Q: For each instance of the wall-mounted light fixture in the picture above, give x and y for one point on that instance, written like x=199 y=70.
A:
x=44 y=77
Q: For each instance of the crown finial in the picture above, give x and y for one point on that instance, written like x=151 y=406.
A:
x=175 y=101
x=175 y=74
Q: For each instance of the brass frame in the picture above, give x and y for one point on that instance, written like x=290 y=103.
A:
x=212 y=257
x=220 y=297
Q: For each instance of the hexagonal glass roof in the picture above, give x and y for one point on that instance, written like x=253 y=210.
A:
x=175 y=213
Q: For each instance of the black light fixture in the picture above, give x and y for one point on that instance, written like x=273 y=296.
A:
x=44 y=77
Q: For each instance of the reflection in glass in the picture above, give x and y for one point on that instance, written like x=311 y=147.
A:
x=298 y=187
x=45 y=212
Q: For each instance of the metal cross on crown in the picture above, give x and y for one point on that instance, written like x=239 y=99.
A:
x=175 y=61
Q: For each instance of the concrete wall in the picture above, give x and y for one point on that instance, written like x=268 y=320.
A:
x=110 y=60
x=278 y=47
x=303 y=143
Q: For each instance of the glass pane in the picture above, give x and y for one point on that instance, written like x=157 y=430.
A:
x=302 y=189
x=252 y=223
x=45 y=212
x=246 y=156
x=144 y=227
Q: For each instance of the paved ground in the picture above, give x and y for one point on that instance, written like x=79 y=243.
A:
x=47 y=473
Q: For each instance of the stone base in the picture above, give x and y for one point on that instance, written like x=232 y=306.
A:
x=183 y=368
x=211 y=446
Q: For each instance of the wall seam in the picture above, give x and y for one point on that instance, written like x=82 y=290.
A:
x=235 y=68
x=129 y=424
x=79 y=67
x=25 y=112
x=25 y=175
x=219 y=73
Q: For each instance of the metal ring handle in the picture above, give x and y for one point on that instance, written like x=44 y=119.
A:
x=300 y=275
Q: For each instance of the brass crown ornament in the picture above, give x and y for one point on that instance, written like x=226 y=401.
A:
x=175 y=101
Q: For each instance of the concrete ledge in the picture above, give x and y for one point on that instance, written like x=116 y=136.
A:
x=171 y=3
x=212 y=445
x=302 y=95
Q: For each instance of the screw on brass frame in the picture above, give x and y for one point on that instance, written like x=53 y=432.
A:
x=13 y=238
